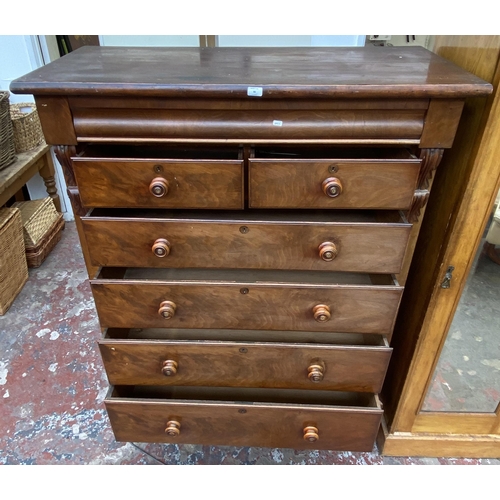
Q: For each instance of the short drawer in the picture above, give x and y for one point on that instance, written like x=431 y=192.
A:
x=329 y=240
x=359 y=368
x=333 y=178
x=245 y=417
x=262 y=300
x=166 y=178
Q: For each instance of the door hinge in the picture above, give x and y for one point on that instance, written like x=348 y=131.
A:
x=446 y=283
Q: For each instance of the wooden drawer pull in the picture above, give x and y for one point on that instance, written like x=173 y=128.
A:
x=311 y=433
x=161 y=247
x=332 y=187
x=158 y=187
x=169 y=368
x=167 y=309
x=321 y=313
x=173 y=428
x=328 y=251
x=316 y=372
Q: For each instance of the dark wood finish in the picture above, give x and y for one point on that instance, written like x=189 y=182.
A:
x=368 y=72
x=262 y=304
x=343 y=422
x=441 y=123
x=187 y=183
x=289 y=114
x=269 y=243
x=245 y=364
x=56 y=120
x=358 y=183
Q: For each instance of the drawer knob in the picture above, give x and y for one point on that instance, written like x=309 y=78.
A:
x=167 y=309
x=161 y=247
x=158 y=187
x=328 y=251
x=169 y=368
x=332 y=187
x=173 y=428
x=316 y=372
x=311 y=433
x=321 y=313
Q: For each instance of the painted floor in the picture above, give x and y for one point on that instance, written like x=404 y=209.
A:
x=52 y=385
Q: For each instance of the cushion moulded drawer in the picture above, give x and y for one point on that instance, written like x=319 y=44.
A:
x=160 y=178
x=245 y=417
x=333 y=178
x=358 y=241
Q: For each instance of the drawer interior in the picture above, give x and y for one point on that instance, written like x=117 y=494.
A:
x=247 y=396
x=254 y=216
x=142 y=152
x=372 y=341
x=332 y=153
x=247 y=276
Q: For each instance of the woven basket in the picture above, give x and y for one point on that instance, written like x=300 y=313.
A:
x=38 y=217
x=27 y=128
x=35 y=255
x=7 y=145
x=13 y=267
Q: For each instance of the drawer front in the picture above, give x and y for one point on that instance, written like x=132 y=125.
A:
x=328 y=246
x=356 y=309
x=240 y=364
x=160 y=183
x=244 y=424
x=331 y=183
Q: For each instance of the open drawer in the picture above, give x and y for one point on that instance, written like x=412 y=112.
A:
x=141 y=358
x=335 y=240
x=250 y=300
x=245 y=417
x=160 y=177
x=288 y=177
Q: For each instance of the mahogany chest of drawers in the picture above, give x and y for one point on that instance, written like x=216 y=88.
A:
x=247 y=218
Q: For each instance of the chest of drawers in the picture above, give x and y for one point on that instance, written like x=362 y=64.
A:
x=245 y=215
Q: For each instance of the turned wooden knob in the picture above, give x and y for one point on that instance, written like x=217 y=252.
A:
x=321 y=313
x=161 y=247
x=158 y=187
x=173 y=428
x=316 y=372
x=311 y=433
x=328 y=251
x=167 y=309
x=332 y=187
x=169 y=368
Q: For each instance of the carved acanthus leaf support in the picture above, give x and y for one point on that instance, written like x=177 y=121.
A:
x=431 y=158
x=64 y=155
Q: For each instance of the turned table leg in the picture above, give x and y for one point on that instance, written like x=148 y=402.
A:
x=47 y=172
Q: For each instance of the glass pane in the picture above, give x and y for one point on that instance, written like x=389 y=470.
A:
x=151 y=40
x=291 y=40
x=467 y=377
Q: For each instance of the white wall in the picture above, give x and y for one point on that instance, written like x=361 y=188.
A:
x=150 y=40
x=20 y=54
x=291 y=40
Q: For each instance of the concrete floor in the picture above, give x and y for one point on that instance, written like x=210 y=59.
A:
x=52 y=386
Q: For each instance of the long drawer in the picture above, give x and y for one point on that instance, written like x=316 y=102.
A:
x=272 y=300
x=160 y=178
x=321 y=240
x=341 y=367
x=332 y=178
x=245 y=417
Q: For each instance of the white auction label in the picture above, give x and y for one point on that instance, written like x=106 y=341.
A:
x=254 y=91
x=277 y=123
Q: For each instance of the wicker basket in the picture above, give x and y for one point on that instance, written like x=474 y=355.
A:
x=7 y=145
x=35 y=255
x=38 y=217
x=27 y=128
x=13 y=266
